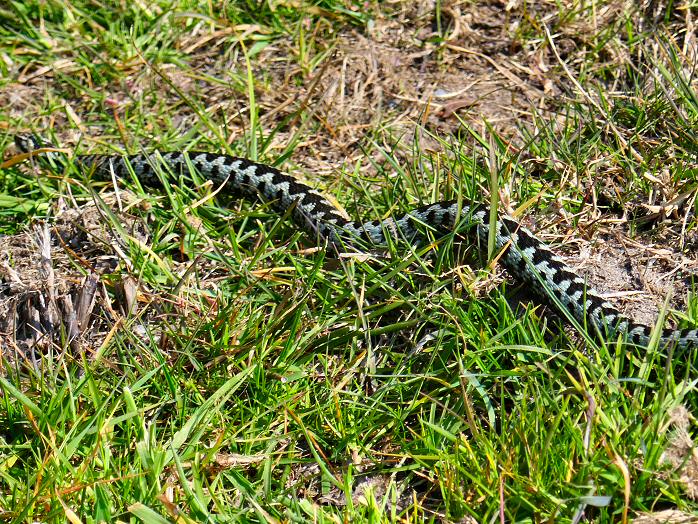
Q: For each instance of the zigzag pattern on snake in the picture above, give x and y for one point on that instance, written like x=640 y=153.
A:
x=525 y=256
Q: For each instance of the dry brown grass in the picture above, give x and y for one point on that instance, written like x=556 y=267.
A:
x=408 y=83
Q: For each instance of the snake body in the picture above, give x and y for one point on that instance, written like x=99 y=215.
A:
x=524 y=255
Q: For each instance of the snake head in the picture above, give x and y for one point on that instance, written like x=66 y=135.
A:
x=33 y=146
x=27 y=143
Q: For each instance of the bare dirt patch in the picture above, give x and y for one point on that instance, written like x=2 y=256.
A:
x=52 y=291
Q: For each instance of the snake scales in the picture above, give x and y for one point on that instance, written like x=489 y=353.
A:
x=525 y=256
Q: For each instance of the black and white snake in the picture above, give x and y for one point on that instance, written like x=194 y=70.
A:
x=525 y=256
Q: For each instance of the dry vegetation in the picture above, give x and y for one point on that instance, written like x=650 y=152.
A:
x=589 y=110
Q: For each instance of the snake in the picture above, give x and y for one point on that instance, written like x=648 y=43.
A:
x=526 y=257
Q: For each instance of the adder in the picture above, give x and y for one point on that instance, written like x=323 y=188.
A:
x=525 y=256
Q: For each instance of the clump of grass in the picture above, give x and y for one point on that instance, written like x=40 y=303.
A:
x=259 y=380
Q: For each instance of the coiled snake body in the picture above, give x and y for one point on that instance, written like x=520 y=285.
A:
x=525 y=256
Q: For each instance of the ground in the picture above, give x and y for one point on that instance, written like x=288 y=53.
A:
x=195 y=356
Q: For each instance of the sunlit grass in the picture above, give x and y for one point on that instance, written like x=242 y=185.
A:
x=261 y=379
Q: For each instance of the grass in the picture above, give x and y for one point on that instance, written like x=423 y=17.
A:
x=257 y=379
